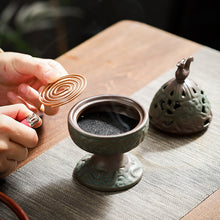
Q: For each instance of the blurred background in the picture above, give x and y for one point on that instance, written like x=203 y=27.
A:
x=50 y=28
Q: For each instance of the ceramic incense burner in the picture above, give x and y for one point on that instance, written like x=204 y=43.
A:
x=180 y=106
x=124 y=125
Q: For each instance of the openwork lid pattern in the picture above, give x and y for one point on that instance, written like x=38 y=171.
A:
x=180 y=106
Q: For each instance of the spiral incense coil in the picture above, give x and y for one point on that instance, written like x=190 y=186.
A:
x=63 y=90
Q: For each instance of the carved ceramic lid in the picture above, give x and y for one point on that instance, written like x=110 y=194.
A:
x=180 y=106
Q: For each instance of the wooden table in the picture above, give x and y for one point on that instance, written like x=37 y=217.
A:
x=121 y=60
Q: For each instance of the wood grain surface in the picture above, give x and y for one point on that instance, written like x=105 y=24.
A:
x=207 y=210
x=119 y=60
x=207 y=62
x=179 y=172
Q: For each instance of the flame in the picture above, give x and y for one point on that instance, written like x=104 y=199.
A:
x=42 y=108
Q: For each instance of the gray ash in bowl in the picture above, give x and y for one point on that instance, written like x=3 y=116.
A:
x=106 y=123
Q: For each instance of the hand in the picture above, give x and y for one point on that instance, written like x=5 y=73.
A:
x=15 y=137
x=23 y=76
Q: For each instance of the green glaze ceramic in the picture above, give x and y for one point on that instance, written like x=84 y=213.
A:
x=97 y=176
x=109 y=168
x=180 y=106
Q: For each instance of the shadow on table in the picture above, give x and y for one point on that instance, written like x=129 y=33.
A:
x=61 y=199
x=156 y=140
x=65 y=199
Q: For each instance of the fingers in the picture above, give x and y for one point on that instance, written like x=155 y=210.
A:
x=29 y=94
x=56 y=66
x=15 y=137
x=32 y=96
x=46 y=71
x=11 y=150
x=16 y=99
x=25 y=68
x=16 y=152
x=17 y=111
x=18 y=132
x=6 y=166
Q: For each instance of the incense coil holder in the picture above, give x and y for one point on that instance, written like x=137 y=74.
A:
x=110 y=167
x=63 y=90
x=180 y=106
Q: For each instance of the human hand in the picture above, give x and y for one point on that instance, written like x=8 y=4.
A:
x=23 y=76
x=15 y=137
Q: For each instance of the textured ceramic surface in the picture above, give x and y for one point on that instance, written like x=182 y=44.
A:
x=93 y=176
x=108 y=145
x=111 y=144
x=108 y=150
x=180 y=106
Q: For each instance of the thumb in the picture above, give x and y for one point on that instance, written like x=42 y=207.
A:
x=40 y=68
x=18 y=112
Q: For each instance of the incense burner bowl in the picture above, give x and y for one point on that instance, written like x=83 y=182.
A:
x=109 y=167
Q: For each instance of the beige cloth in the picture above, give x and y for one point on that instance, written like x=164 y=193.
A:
x=179 y=173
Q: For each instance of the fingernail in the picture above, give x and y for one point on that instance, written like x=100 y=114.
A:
x=11 y=96
x=51 y=76
x=23 y=89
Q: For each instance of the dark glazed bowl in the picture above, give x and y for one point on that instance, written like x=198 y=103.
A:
x=108 y=144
